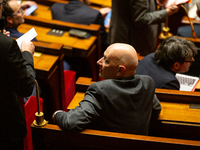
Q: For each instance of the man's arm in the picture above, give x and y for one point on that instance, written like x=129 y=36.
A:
x=21 y=74
x=174 y=84
x=76 y=119
x=79 y=118
x=142 y=14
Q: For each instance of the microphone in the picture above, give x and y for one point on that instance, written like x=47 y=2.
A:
x=193 y=32
x=165 y=33
x=39 y=116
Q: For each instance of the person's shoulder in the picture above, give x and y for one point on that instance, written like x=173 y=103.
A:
x=151 y=55
x=106 y=81
x=101 y=84
x=148 y=57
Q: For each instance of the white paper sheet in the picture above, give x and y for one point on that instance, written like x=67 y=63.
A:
x=27 y=37
x=187 y=83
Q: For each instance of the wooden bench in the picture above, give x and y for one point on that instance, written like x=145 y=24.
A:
x=51 y=137
x=179 y=114
x=167 y=95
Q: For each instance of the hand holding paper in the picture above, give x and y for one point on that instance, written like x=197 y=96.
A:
x=24 y=41
x=27 y=46
x=27 y=37
x=167 y=3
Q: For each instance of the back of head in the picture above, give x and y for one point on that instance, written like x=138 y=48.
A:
x=7 y=10
x=174 y=49
x=124 y=57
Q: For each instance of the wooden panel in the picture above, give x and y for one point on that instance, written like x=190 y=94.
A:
x=102 y=3
x=51 y=137
x=66 y=40
x=44 y=65
x=176 y=120
x=170 y=111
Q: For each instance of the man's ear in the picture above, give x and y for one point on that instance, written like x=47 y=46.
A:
x=121 y=70
x=9 y=20
x=176 y=66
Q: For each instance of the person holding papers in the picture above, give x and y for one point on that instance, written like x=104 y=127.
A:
x=17 y=78
x=13 y=14
x=137 y=22
x=174 y=55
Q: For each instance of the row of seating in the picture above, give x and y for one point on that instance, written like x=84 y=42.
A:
x=170 y=132
x=52 y=138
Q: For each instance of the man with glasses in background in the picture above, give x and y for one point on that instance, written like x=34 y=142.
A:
x=13 y=13
x=174 y=55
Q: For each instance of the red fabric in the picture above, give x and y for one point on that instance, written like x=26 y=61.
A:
x=30 y=108
x=69 y=84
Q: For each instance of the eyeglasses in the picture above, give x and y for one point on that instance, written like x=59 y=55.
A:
x=20 y=11
x=4 y=2
x=191 y=61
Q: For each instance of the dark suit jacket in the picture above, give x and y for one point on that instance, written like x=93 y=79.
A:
x=136 y=22
x=17 y=79
x=123 y=105
x=77 y=12
x=163 y=78
x=15 y=33
x=186 y=31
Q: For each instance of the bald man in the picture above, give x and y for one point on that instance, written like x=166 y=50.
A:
x=123 y=102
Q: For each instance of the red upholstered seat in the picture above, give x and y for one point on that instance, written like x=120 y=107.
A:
x=30 y=108
x=69 y=83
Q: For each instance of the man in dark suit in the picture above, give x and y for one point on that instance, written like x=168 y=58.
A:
x=175 y=55
x=137 y=22
x=17 y=78
x=120 y=103
x=76 y=11
x=13 y=13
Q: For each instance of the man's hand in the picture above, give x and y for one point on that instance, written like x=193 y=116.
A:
x=104 y=11
x=25 y=5
x=53 y=116
x=6 y=33
x=28 y=47
x=173 y=8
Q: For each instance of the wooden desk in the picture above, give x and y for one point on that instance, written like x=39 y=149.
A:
x=75 y=101
x=102 y=3
x=39 y=12
x=198 y=86
x=48 y=75
x=44 y=65
x=73 y=47
x=185 y=21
